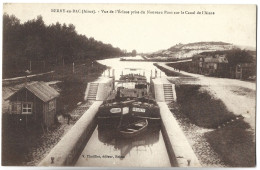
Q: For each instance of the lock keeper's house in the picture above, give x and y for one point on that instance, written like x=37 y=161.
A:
x=34 y=104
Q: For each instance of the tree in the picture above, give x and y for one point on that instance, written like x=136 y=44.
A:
x=134 y=53
x=238 y=56
x=55 y=43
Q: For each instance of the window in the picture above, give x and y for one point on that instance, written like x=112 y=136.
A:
x=51 y=105
x=15 y=107
x=27 y=108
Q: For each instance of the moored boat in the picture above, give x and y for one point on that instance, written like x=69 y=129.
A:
x=133 y=129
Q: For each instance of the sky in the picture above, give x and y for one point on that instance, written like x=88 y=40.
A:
x=234 y=24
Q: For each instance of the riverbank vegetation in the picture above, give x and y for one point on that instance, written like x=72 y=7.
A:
x=38 y=47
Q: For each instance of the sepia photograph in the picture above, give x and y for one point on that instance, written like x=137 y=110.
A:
x=128 y=85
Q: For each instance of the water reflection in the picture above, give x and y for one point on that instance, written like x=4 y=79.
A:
x=109 y=136
x=106 y=148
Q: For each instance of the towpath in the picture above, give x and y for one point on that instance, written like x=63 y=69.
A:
x=238 y=96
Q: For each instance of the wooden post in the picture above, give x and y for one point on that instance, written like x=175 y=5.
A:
x=30 y=65
x=42 y=128
x=27 y=108
x=113 y=73
x=34 y=108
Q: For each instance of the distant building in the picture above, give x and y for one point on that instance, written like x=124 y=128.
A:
x=215 y=65
x=34 y=103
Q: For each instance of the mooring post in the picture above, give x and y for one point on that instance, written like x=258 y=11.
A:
x=188 y=162
x=52 y=160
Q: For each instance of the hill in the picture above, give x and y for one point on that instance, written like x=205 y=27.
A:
x=179 y=51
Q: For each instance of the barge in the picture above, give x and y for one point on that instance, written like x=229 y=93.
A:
x=130 y=104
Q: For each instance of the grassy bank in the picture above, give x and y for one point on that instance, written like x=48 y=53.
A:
x=202 y=109
x=230 y=138
x=71 y=85
x=235 y=143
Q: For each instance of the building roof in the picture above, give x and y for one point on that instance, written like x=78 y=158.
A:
x=216 y=60
x=40 y=89
x=199 y=56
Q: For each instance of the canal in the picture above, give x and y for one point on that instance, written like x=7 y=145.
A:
x=106 y=148
x=125 y=67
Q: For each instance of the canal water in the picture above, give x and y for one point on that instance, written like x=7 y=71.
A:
x=125 y=67
x=107 y=148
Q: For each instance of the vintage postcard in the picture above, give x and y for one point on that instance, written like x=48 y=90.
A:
x=129 y=85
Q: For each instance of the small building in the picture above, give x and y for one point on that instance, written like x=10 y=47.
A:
x=34 y=103
x=215 y=65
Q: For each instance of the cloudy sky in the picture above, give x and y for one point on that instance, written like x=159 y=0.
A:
x=150 y=32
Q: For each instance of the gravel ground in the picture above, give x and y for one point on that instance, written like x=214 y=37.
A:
x=32 y=146
x=48 y=140
x=195 y=135
x=45 y=143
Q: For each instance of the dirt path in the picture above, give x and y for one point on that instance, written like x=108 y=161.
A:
x=29 y=76
x=238 y=96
